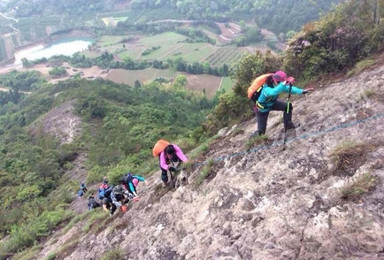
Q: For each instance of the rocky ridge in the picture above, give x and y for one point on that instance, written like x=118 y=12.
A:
x=269 y=202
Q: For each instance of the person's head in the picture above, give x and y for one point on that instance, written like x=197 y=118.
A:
x=279 y=76
x=122 y=181
x=170 y=151
x=105 y=179
x=135 y=182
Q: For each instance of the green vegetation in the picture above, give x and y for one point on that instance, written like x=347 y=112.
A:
x=204 y=173
x=95 y=216
x=114 y=254
x=350 y=21
x=359 y=187
x=360 y=66
x=348 y=156
x=17 y=83
x=338 y=41
x=254 y=141
x=268 y=14
x=25 y=235
x=234 y=106
x=51 y=256
x=227 y=84
x=121 y=124
x=58 y=72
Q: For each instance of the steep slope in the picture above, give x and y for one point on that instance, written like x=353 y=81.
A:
x=267 y=202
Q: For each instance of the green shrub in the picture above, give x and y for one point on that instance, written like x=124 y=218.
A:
x=95 y=219
x=252 y=142
x=114 y=254
x=204 y=173
x=28 y=233
x=51 y=256
x=341 y=38
x=96 y=174
x=58 y=72
x=364 y=184
x=360 y=66
x=348 y=156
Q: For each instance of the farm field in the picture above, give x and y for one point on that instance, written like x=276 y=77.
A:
x=226 y=55
x=109 y=40
x=226 y=84
x=204 y=83
x=171 y=47
x=144 y=76
x=190 y=52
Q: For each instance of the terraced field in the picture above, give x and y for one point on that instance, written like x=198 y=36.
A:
x=227 y=55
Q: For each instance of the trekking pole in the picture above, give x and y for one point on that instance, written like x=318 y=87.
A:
x=288 y=102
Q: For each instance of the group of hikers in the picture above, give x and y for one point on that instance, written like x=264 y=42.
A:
x=117 y=197
x=114 y=197
x=264 y=91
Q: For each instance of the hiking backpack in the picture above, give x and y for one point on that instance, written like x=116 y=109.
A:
x=127 y=178
x=159 y=147
x=257 y=85
x=104 y=191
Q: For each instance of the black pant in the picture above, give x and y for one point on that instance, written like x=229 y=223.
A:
x=262 y=117
x=164 y=175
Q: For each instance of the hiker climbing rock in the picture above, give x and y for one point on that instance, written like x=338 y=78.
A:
x=119 y=197
x=267 y=99
x=168 y=153
x=131 y=181
x=83 y=187
x=82 y=190
x=104 y=189
x=92 y=203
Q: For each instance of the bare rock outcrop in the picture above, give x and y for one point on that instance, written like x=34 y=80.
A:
x=266 y=202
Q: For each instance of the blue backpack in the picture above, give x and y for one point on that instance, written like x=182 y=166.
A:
x=80 y=193
x=104 y=192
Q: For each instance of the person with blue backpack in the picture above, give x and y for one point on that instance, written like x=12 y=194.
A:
x=268 y=100
x=104 y=189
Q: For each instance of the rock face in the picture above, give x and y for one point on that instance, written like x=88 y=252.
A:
x=61 y=122
x=266 y=202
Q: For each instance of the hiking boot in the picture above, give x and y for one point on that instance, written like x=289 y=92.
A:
x=165 y=184
x=291 y=125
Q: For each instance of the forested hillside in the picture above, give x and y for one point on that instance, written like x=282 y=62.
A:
x=278 y=16
x=119 y=126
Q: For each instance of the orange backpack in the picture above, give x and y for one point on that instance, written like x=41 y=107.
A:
x=159 y=147
x=257 y=85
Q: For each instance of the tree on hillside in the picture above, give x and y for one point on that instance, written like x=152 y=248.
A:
x=338 y=40
x=180 y=82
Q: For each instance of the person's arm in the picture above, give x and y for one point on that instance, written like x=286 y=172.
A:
x=163 y=163
x=180 y=153
x=141 y=178
x=132 y=188
x=281 y=87
x=105 y=208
